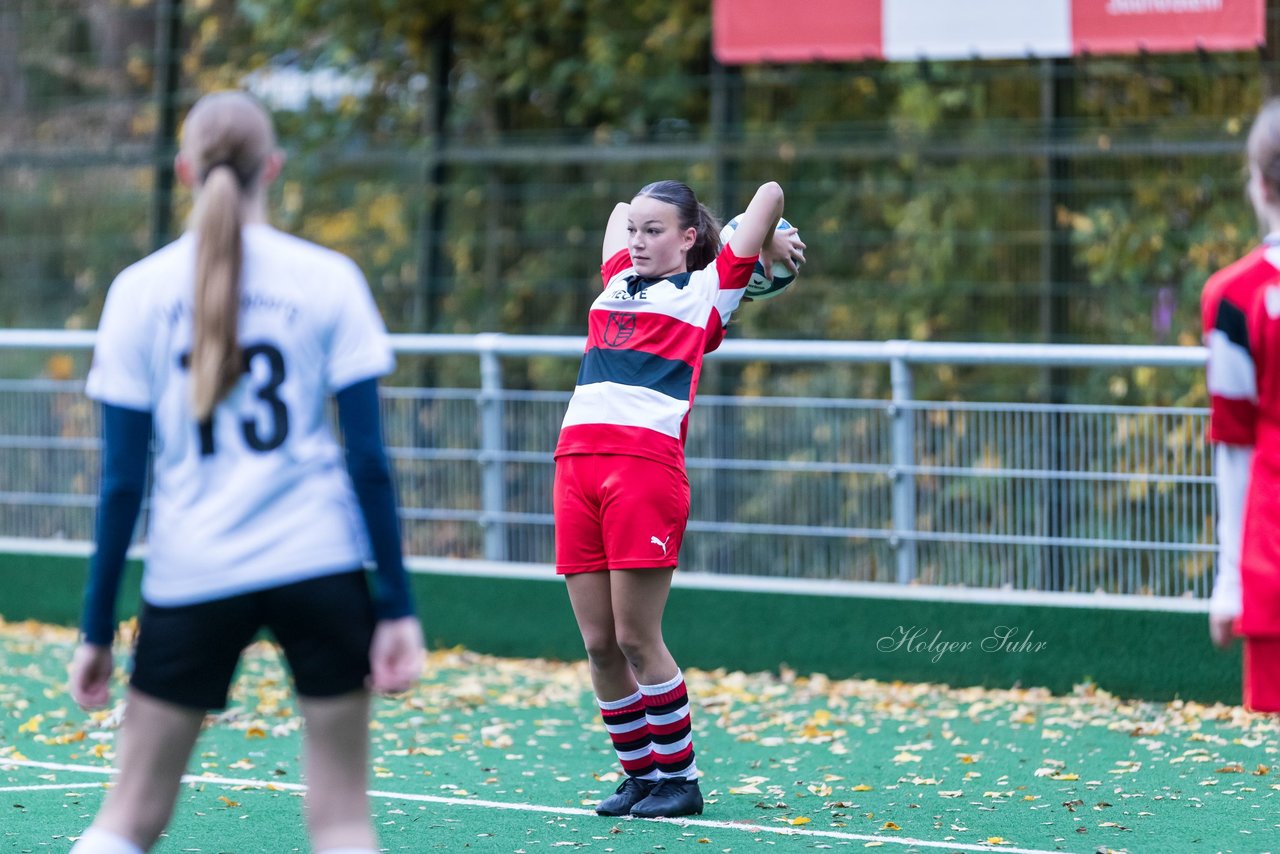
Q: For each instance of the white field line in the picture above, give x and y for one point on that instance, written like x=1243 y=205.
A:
x=503 y=805
x=93 y=784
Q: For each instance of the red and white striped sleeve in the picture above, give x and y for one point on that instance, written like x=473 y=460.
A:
x=731 y=277
x=619 y=262
x=1232 y=373
x=1233 y=412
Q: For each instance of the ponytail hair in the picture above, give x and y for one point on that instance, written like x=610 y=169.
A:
x=226 y=139
x=692 y=214
x=707 y=245
x=216 y=361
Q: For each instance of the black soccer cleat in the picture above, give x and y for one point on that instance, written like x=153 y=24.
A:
x=632 y=791
x=671 y=797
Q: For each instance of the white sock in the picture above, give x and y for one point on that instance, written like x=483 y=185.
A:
x=99 y=841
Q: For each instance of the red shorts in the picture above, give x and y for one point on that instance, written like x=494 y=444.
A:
x=1262 y=674
x=615 y=511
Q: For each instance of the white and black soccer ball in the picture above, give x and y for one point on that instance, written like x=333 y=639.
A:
x=761 y=285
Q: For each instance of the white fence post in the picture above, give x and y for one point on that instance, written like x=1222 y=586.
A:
x=902 y=460
x=493 y=482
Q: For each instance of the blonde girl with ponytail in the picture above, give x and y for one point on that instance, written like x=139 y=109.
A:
x=214 y=362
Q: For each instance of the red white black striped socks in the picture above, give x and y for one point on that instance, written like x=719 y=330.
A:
x=666 y=707
x=651 y=731
x=629 y=731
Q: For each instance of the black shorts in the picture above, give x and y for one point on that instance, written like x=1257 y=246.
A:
x=188 y=654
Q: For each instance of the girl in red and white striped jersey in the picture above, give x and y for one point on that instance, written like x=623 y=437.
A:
x=1241 y=316
x=621 y=492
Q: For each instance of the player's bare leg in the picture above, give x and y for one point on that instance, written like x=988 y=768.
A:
x=618 y=695
x=336 y=750
x=591 y=595
x=639 y=600
x=155 y=743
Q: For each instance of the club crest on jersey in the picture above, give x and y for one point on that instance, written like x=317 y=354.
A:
x=619 y=328
x=1271 y=299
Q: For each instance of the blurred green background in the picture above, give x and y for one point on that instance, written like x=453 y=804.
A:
x=467 y=154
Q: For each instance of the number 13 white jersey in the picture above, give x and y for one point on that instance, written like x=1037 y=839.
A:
x=260 y=496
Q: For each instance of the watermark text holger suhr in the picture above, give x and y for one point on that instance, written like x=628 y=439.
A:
x=924 y=641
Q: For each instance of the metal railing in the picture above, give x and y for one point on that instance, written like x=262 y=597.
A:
x=990 y=494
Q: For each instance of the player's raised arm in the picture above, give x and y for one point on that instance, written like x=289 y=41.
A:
x=615 y=232
x=756 y=225
x=757 y=232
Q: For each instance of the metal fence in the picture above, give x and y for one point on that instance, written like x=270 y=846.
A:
x=987 y=494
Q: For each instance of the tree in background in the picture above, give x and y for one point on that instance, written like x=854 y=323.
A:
x=922 y=187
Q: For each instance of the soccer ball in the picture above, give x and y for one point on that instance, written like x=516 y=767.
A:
x=761 y=285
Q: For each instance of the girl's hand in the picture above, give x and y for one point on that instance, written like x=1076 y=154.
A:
x=1221 y=631
x=786 y=248
x=395 y=656
x=89 y=676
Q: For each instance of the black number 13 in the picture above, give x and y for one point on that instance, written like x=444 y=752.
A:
x=277 y=426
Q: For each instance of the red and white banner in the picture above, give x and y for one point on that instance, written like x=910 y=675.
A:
x=748 y=31
x=1166 y=26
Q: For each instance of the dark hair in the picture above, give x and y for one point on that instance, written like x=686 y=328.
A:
x=1264 y=144
x=693 y=214
x=228 y=136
